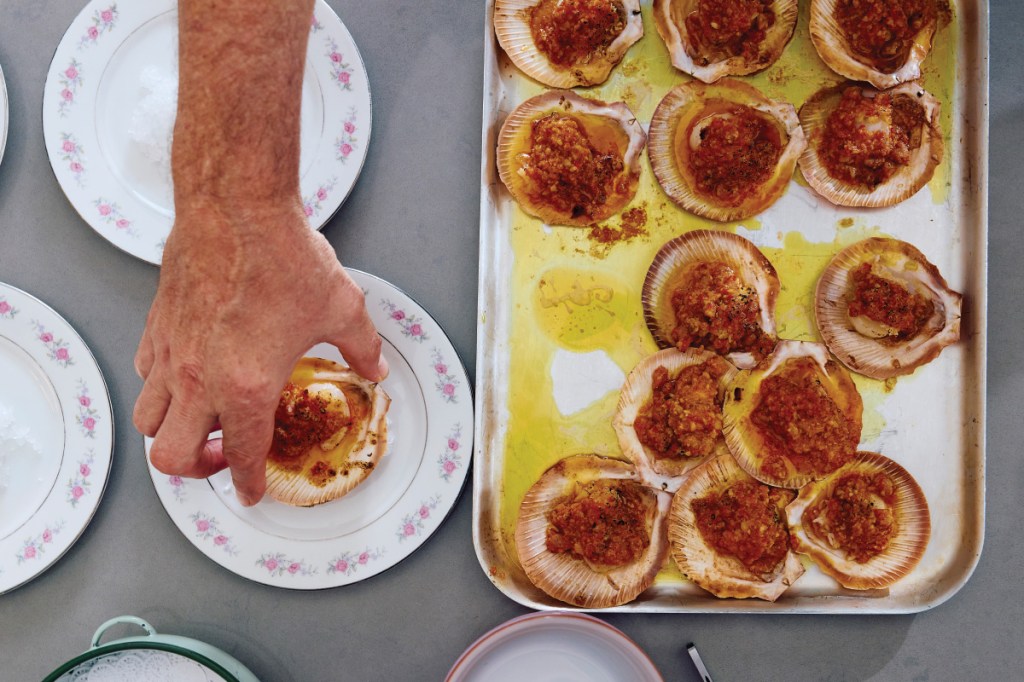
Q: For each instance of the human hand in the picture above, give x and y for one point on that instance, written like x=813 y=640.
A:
x=234 y=311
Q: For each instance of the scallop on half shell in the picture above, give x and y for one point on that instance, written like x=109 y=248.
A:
x=883 y=64
x=794 y=418
x=908 y=317
x=770 y=572
x=564 y=44
x=569 y=160
x=741 y=284
x=866 y=525
x=682 y=433
x=895 y=135
x=330 y=432
x=691 y=30
x=724 y=151
x=570 y=576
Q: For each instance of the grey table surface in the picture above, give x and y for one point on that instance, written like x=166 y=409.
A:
x=413 y=220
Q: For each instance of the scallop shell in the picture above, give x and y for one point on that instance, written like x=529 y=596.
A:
x=881 y=358
x=669 y=269
x=356 y=453
x=901 y=185
x=692 y=105
x=744 y=438
x=666 y=474
x=611 y=120
x=832 y=46
x=573 y=580
x=512 y=28
x=670 y=15
x=904 y=552
x=722 y=575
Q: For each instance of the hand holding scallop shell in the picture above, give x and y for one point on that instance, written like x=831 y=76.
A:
x=883 y=309
x=566 y=43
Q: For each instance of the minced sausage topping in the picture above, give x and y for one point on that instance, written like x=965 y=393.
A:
x=565 y=171
x=684 y=416
x=869 y=139
x=857 y=516
x=737 y=154
x=717 y=311
x=889 y=303
x=747 y=521
x=568 y=32
x=880 y=33
x=730 y=28
x=800 y=422
x=302 y=421
x=603 y=522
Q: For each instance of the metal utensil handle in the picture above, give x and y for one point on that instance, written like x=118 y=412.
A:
x=705 y=676
x=150 y=630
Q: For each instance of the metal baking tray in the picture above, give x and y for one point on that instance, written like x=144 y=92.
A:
x=555 y=297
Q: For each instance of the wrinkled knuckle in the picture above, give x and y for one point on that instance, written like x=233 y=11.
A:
x=190 y=377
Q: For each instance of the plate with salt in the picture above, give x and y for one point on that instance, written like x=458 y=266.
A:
x=109 y=105
x=56 y=437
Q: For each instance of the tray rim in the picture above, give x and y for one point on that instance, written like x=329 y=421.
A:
x=972 y=90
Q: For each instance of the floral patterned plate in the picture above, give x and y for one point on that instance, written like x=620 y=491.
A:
x=108 y=111
x=56 y=437
x=430 y=436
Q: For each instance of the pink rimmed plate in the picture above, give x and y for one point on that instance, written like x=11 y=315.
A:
x=554 y=646
x=386 y=518
x=56 y=437
x=108 y=111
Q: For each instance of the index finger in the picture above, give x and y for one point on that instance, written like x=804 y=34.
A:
x=247 y=436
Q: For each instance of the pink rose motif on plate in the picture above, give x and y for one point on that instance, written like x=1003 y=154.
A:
x=312 y=205
x=7 y=311
x=450 y=460
x=341 y=71
x=79 y=484
x=56 y=348
x=71 y=151
x=110 y=214
x=207 y=528
x=70 y=79
x=87 y=415
x=408 y=324
x=33 y=548
x=415 y=523
x=347 y=563
x=347 y=141
x=103 y=21
x=446 y=382
x=278 y=565
x=30 y=552
x=315 y=25
x=177 y=484
x=47 y=535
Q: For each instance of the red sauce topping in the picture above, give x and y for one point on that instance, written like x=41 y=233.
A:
x=566 y=171
x=869 y=139
x=747 y=521
x=302 y=421
x=603 y=522
x=852 y=519
x=735 y=28
x=889 y=303
x=801 y=423
x=569 y=31
x=716 y=310
x=880 y=33
x=684 y=416
x=737 y=154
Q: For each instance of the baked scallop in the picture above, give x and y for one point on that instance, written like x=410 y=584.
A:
x=866 y=525
x=723 y=151
x=882 y=42
x=727 y=532
x=870 y=148
x=590 y=533
x=884 y=310
x=567 y=43
x=715 y=291
x=330 y=432
x=669 y=417
x=569 y=160
x=794 y=418
x=709 y=39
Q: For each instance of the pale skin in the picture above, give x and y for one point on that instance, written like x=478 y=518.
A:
x=246 y=287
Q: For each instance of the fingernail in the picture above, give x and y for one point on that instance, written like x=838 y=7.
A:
x=247 y=500
x=382 y=369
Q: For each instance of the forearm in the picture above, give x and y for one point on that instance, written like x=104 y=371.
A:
x=236 y=139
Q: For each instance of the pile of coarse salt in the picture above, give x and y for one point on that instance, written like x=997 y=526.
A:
x=152 y=126
x=14 y=443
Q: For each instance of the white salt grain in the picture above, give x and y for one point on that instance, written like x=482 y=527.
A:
x=152 y=125
x=14 y=442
